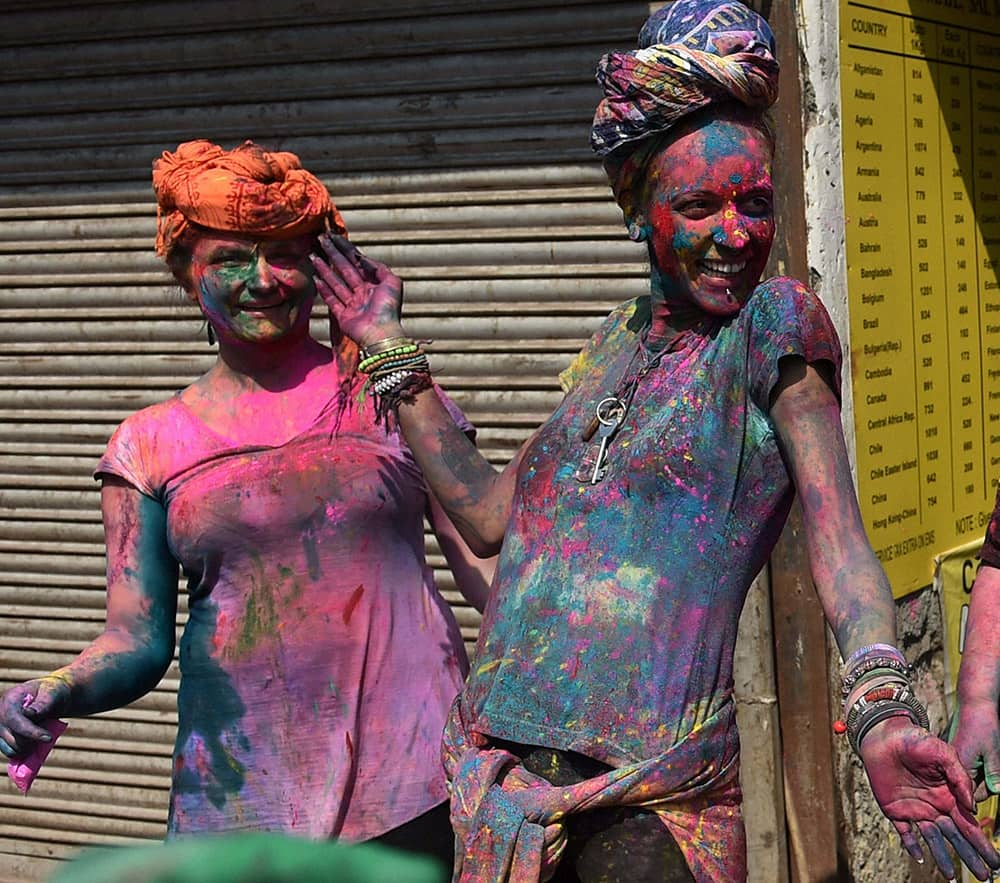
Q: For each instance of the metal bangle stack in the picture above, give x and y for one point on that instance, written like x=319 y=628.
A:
x=877 y=686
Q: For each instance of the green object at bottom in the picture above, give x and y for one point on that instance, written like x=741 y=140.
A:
x=250 y=858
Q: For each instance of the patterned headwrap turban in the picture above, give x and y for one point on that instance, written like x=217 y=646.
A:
x=692 y=53
x=245 y=190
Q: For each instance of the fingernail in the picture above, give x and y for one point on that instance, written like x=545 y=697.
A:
x=46 y=738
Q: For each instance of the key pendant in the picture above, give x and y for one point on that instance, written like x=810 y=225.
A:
x=610 y=416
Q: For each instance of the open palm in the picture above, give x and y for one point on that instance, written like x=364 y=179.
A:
x=364 y=296
x=919 y=783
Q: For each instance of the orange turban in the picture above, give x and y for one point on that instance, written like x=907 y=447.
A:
x=244 y=190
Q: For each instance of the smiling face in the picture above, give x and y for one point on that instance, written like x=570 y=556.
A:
x=709 y=214
x=252 y=291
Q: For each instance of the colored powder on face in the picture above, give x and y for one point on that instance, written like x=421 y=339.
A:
x=684 y=240
x=713 y=205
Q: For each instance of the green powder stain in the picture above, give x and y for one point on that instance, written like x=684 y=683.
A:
x=209 y=707
x=260 y=619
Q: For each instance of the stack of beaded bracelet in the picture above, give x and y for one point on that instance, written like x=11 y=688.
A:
x=876 y=687
x=397 y=370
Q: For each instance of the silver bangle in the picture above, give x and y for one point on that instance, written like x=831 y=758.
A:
x=865 y=716
x=871 y=663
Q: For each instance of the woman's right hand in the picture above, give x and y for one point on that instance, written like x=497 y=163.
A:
x=364 y=296
x=922 y=788
x=23 y=708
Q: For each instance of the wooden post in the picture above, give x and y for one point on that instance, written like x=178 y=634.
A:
x=799 y=627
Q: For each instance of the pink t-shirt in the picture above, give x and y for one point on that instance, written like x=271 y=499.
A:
x=319 y=660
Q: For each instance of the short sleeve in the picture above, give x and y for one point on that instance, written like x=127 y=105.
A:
x=619 y=318
x=126 y=456
x=570 y=375
x=787 y=319
x=990 y=552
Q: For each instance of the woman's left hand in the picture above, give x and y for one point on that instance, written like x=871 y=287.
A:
x=919 y=783
x=975 y=736
x=365 y=297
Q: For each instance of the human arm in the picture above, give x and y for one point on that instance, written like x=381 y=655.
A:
x=473 y=575
x=364 y=297
x=132 y=653
x=916 y=779
x=851 y=584
x=976 y=734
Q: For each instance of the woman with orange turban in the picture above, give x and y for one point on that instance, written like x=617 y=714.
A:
x=318 y=661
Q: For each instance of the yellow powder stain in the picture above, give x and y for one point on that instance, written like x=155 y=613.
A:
x=630 y=575
x=489 y=666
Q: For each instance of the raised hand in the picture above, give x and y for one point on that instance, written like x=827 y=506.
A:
x=921 y=786
x=365 y=297
x=23 y=708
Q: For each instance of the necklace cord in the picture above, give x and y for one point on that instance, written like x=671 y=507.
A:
x=629 y=383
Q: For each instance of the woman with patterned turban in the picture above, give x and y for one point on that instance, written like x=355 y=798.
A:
x=596 y=738
x=318 y=661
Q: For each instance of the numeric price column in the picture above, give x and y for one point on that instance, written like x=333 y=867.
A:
x=985 y=56
x=926 y=232
x=959 y=221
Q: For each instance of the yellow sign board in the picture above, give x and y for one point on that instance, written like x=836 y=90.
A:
x=920 y=83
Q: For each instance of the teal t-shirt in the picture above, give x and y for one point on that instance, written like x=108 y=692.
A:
x=613 y=621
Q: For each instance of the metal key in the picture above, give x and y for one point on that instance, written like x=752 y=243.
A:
x=610 y=415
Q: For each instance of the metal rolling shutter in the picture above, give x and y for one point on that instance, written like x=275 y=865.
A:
x=453 y=136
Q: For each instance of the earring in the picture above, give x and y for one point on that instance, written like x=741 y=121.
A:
x=637 y=232
x=211 y=334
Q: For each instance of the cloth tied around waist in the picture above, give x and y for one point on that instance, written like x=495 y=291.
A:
x=508 y=820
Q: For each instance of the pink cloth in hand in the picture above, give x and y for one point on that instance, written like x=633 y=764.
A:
x=22 y=772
